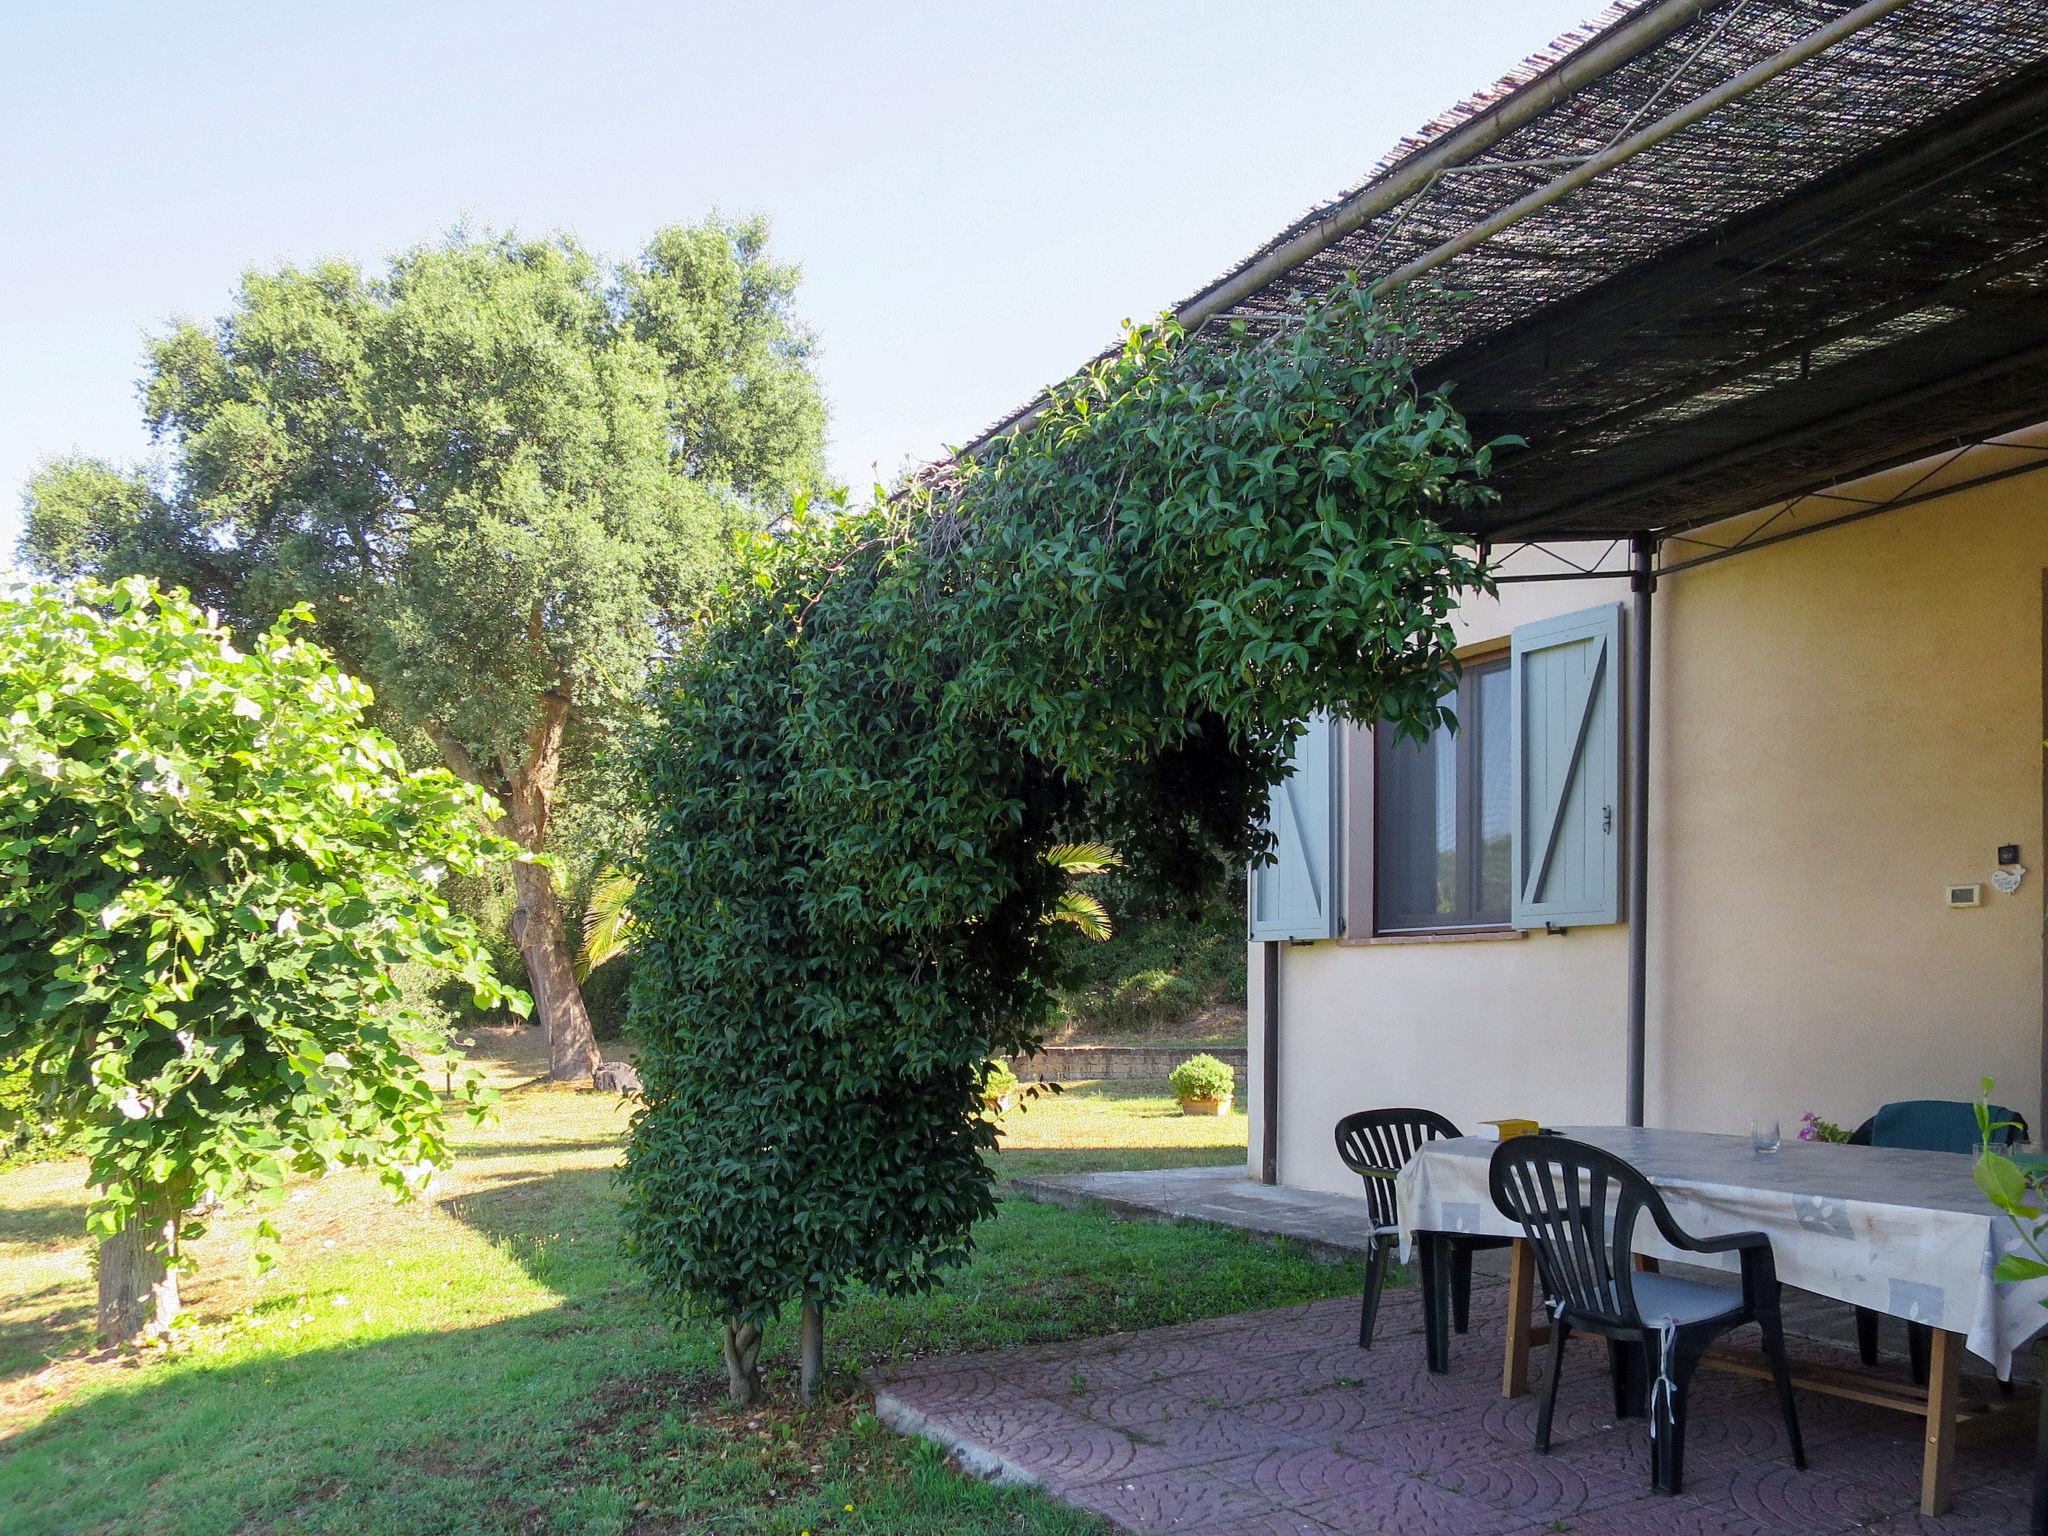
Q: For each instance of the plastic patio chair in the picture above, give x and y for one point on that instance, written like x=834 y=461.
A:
x=1927 y=1125
x=1578 y=1206
x=1376 y=1144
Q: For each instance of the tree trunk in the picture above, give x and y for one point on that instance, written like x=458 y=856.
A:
x=537 y=920
x=551 y=975
x=743 y=1362
x=811 y=1326
x=138 y=1288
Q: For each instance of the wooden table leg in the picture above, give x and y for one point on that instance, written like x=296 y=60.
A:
x=1937 y=1464
x=1514 y=1375
x=2039 y=1526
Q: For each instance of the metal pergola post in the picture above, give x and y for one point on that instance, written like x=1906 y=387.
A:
x=1643 y=586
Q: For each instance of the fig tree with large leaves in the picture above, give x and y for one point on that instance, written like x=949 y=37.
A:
x=211 y=873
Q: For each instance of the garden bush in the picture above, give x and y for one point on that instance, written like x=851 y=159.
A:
x=1202 y=1077
x=25 y=1135
x=1153 y=997
x=998 y=1085
x=607 y=993
x=1108 y=626
x=1166 y=965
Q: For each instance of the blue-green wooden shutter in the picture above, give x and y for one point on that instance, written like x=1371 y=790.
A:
x=1565 y=783
x=1295 y=897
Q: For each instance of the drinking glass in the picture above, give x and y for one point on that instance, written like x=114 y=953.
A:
x=1763 y=1137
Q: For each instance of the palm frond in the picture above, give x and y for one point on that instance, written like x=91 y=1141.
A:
x=1083 y=911
x=607 y=922
x=1082 y=858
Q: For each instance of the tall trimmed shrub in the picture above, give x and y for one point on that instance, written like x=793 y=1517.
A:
x=1110 y=628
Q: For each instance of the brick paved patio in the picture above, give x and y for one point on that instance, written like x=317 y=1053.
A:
x=1277 y=1424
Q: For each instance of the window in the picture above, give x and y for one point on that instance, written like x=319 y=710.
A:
x=1442 y=830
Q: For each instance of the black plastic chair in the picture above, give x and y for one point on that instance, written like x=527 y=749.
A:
x=1927 y=1125
x=1579 y=1207
x=1376 y=1144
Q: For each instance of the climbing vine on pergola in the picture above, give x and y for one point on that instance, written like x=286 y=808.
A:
x=1111 y=625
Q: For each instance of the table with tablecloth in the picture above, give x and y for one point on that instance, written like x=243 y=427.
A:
x=1901 y=1232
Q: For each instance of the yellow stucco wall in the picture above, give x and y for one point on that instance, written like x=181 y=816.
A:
x=1844 y=724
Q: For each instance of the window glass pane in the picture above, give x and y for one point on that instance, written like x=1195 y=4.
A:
x=1445 y=748
x=1417 y=837
x=1442 y=836
x=1488 y=689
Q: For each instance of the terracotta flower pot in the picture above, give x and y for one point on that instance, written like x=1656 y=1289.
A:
x=1216 y=1106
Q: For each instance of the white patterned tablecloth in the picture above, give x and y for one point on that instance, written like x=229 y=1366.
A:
x=1902 y=1232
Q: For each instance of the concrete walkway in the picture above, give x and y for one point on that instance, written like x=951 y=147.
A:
x=1333 y=1227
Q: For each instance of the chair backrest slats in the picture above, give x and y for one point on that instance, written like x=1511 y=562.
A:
x=1578 y=1206
x=1376 y=1144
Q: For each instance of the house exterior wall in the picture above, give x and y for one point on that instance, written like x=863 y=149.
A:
x=1843 y=725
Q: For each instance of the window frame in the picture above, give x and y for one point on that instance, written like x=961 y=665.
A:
x=1495 y=658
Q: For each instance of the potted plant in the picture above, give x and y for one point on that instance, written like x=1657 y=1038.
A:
x=1813 y=1128
x=1203 y=1085
x=998 y=1086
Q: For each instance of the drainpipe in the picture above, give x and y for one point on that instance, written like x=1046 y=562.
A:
x=1269 y=1066
x=1643 y=586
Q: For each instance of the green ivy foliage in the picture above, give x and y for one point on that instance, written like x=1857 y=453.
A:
x=211 y=874
x=1109 y=627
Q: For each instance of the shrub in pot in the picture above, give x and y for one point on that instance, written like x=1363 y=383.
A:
x=998 y=1087
x=1203 y=1085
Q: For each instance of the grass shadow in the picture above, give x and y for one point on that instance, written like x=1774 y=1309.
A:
x=42 y=1325
x=561 y=1228
x=477 y=1151
x=590 y=1413
x=39 y=1226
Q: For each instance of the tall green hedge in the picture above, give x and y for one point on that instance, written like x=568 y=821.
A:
x=1109 y=626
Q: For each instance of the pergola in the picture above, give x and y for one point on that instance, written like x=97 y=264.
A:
x=1712 y=260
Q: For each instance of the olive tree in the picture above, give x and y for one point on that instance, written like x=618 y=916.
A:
x=503 y=471
x=210 y=870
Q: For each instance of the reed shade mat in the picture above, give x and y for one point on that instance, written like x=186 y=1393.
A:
x=1902 y=1232
x=1840 y=269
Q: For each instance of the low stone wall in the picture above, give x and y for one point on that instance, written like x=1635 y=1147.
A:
x=1075 y=1063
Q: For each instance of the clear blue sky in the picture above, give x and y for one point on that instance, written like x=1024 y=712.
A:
x=977 y=192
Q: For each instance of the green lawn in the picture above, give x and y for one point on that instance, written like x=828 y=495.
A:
x=487 y=1361
x=1093 y=1126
